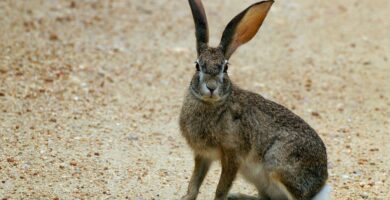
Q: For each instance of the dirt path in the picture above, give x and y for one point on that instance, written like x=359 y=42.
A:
x=90 y=92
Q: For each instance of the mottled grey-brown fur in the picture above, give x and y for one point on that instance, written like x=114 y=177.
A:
x=244 y=127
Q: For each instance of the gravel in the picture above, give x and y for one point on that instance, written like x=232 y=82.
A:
x=90 y=93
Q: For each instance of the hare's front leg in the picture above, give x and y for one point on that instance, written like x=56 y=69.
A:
x=229 y=171
x=202 y=166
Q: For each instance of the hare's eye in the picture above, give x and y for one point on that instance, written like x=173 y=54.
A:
x=226 y=68
x=197 y=66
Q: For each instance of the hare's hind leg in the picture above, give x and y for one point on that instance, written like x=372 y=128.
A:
x=276 y=189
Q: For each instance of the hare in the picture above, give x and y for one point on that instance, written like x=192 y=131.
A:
x=274 y=149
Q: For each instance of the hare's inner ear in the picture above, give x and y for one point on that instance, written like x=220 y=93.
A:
x=201 y=27
x=244 y=27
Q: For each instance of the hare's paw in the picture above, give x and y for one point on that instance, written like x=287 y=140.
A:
x=238 y=196
x=188 y=197
x=233 y=196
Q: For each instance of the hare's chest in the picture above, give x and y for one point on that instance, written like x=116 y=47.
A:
x=201 y=133
x=203 y=136
x=204 y=143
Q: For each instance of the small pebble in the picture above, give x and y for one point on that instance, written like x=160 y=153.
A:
x=364 y=195
x=344 y=176
x=11 y=160
x=132 y=137
x=362 y=184
x=316 y=114
x=53 y=37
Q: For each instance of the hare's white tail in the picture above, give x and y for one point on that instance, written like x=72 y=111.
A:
x=324 y=193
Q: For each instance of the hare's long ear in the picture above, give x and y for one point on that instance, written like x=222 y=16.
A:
x=201 y=27
x=244 y=26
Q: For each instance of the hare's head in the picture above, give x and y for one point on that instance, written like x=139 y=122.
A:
x=211 y=82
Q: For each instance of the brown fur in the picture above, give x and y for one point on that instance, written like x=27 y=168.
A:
x=244 y=130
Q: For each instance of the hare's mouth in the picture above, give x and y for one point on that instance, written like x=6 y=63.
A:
x=208 y=97
x=211 y=97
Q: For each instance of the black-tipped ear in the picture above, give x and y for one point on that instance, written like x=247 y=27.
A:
x=244 y=27
x=201 y=27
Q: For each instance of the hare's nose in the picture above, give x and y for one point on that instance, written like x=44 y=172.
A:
x=211 y=85
x=210 y=88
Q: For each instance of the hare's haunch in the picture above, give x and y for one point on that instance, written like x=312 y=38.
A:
x=269 y=145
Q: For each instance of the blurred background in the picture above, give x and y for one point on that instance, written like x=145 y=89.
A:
x=90 y=92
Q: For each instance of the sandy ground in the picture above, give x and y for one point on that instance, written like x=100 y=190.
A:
x=90 y=92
